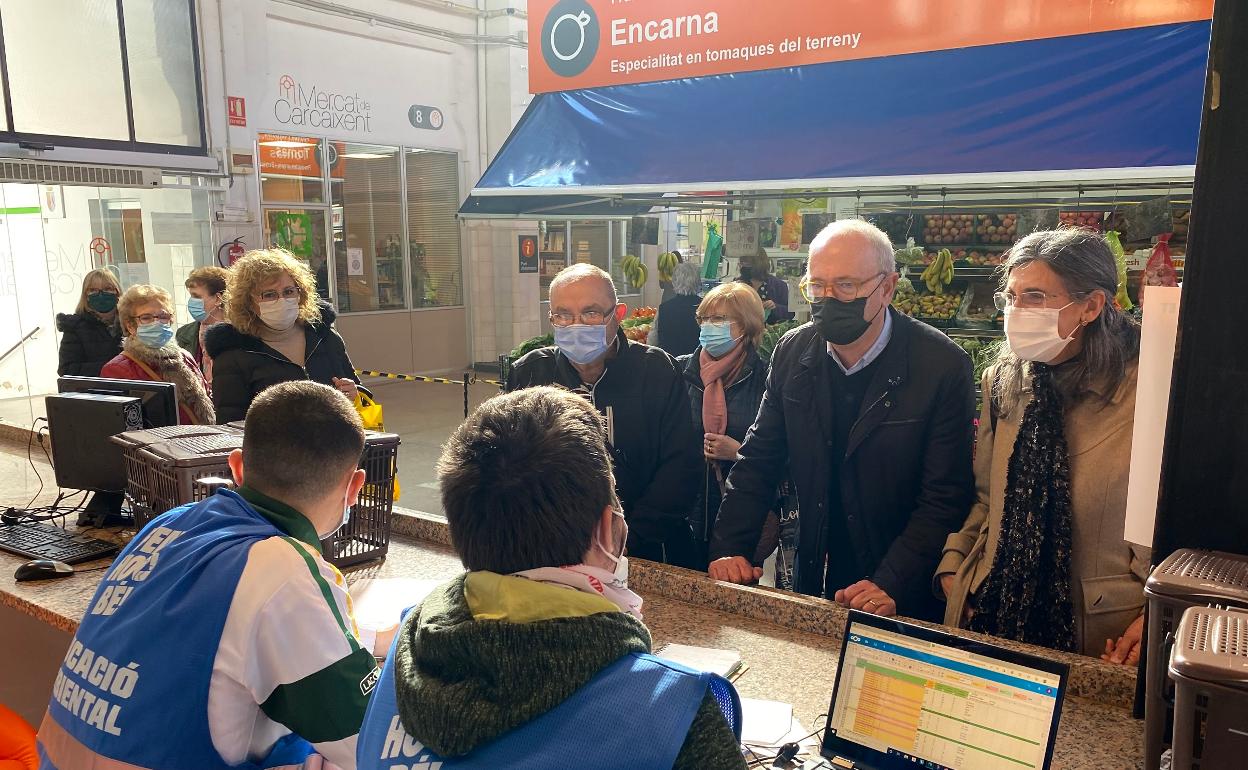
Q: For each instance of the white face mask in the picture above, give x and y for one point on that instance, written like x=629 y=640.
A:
x=280 y=314
x=1033 y=333
x=620 y=561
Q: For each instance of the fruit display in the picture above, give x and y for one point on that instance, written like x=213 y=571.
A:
x=1121 y=298
x=905 y=298
x=634 y=270
x=667 y=264
x=1182 y=218
x=948 y=228
x=937 y=307
x=959 y=255
x=985 y=258
x=982 y=353
x=637 y=326
x=939 y=274
x=772 y=335
x=978 y=310
x=546 y=340
x=996 y=228
x=1094 y=220
x=910 y=254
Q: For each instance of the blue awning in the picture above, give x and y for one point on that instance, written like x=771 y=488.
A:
x=1122 y=104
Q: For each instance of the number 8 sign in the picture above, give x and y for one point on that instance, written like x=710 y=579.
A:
x=426 y=117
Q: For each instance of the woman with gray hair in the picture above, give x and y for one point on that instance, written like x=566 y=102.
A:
x=678 y=315
x=1041 y=557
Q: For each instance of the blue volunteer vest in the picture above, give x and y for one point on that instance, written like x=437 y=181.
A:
x=634 y=715
x=134 y=685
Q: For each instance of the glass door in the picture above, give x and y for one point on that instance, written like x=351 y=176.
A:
x=302 y=232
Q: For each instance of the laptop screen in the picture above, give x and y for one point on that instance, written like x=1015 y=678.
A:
x=910 y=697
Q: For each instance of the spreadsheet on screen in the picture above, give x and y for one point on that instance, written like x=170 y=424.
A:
x=942 y=707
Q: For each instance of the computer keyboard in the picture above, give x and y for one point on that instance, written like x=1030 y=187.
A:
x=40 y=540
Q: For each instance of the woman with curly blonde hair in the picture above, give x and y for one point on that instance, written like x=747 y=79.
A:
x=150 y=353
x=277 y=330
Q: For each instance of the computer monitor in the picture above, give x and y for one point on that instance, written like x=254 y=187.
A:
x=159 y=409
x=160 y=399
x=909 y=697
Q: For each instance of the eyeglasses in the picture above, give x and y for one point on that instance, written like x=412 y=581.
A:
x=715 y=320
x=148 y=318
x=589 y=317
x=114 y=292
x=290 y=292
x=1027 y=299
x=843 y=289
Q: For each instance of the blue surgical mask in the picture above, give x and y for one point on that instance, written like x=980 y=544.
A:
x=195 y=306
x=581 y=343
x=717 y=339
x=155 y=334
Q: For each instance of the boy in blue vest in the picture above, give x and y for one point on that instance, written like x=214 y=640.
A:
x=537 y=656
x=220 y=638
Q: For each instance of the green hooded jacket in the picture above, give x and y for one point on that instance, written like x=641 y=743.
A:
x=487 y=653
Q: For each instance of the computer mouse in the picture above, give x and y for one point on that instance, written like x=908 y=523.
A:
x=42 y=569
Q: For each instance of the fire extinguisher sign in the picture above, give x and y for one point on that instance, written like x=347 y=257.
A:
x=237 y=110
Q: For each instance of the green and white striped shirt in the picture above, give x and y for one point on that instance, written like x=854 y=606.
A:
x=290 y=657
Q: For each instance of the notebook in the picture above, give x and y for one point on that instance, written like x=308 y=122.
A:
x=726 y=663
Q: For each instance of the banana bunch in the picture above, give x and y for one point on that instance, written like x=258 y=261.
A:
x=667 y=263
x=635 y=271
x=939 y=274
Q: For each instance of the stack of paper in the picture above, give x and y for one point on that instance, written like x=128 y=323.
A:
x=726 y=663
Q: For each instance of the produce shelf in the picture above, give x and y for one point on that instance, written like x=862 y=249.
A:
x=989 y=333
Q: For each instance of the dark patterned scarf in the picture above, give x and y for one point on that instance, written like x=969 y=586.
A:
x=1026 y=596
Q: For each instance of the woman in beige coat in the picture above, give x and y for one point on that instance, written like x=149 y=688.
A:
x=1041 y=557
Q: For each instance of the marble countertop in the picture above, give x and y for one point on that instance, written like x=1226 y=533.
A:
x=790 y=644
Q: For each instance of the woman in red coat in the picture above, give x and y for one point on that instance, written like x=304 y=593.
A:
x=149 y=352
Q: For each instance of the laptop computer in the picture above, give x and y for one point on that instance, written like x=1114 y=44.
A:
x=908 y=697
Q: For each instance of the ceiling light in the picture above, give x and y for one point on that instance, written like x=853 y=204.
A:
x=364 y=155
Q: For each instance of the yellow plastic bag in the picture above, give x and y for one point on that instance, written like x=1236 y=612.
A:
x=370 y=411
x=370 y=415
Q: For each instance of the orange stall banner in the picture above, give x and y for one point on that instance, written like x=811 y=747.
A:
x=589 y=43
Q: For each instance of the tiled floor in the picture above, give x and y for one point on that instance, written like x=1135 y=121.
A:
x=423 y=414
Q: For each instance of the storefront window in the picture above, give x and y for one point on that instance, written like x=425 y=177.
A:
x=301 y=232
x=292 y=168
x=51 y=236
x=368 y=230
x=433 y=229
x=374 y=241
x=76 y=90
x=552 y=253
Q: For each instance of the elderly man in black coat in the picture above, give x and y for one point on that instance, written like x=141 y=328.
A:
x=654 y=448
x=871 y=412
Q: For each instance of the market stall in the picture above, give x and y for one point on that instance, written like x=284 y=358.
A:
x=961 y=136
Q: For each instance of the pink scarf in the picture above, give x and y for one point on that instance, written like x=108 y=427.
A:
x=716 y=376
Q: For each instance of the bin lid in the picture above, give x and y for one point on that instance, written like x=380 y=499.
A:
x=1211 y=645
x=370 y=436
x=212 y=449
x=1201 y=577
x=149 y=436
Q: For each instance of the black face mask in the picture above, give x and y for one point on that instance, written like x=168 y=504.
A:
x=842 y=323
x=102 y=301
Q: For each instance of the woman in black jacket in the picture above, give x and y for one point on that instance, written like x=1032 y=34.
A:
x=90 y=336
x=726 y=380
x=278 y=330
